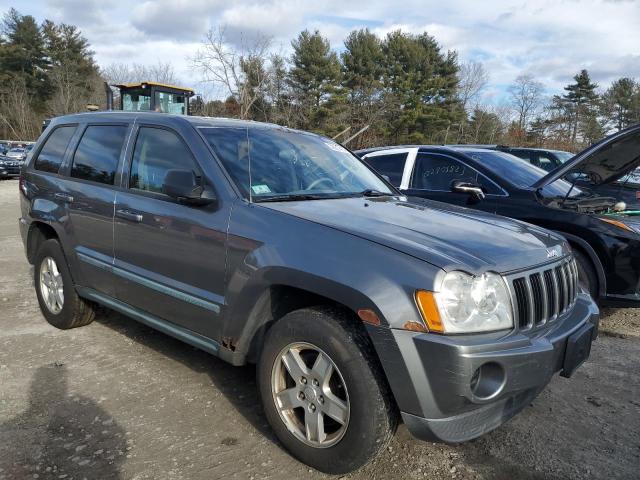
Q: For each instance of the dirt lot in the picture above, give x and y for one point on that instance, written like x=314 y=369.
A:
x=115 y=399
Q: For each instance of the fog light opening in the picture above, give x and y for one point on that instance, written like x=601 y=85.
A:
x=487 y=381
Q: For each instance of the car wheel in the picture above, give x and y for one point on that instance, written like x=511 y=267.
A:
x=587 y=277
x=323 y=390
x=59 y=302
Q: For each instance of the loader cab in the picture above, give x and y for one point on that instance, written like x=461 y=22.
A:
x=154 y=97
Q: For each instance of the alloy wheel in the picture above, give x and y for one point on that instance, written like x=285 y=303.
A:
x=310 y=395
x=51 y=285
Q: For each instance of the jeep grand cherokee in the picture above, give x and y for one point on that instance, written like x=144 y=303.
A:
x=261 y=244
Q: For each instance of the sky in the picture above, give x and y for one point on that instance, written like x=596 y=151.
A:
x=549 y=39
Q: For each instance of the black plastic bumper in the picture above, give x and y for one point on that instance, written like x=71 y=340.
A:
x=459 y=404
x=10 y=171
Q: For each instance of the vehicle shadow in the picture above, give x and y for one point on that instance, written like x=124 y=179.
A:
x=60 y=435
x=237 y=384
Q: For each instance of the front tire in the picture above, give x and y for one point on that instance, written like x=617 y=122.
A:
x=587 y=276
x=59 y=303
x=323 y=390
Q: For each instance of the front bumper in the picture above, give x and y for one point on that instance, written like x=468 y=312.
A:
x=454 y=405
x=10 y=170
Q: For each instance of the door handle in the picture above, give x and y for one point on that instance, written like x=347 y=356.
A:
x=129 y=215
x=65 y=197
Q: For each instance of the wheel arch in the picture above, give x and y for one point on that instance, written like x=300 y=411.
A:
x=39 y=232
x=263 y=303
x=583 y=246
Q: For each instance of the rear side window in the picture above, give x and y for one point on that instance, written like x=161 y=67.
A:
x=390 y=165
x=52 y=152
x=158 y=150
x=98 y=153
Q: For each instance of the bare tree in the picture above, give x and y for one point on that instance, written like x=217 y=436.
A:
x=473 y=78
x=526 y=97
x=243 y=71
x=71 y=92
x=161 y=72
x=17 y=118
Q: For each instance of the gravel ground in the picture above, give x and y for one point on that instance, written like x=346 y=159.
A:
x=116 y=399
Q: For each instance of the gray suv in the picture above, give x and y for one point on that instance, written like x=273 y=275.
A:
x=261 y=244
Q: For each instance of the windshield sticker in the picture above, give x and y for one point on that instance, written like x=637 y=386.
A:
x=260 y=189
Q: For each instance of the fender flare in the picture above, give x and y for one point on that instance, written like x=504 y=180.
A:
x=593 y=256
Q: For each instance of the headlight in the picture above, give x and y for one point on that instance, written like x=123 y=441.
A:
x=467 y=304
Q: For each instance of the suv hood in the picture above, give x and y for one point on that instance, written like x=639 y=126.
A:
x=444 y=235
x=604 y=162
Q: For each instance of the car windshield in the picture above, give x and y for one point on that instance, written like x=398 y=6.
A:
x=278 y=164
x=17 y=150
x=520 y=172
x=632 y=178
x=563 y=156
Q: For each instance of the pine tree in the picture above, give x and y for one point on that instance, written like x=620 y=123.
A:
x=73 y=73
x=582 y=99
x=363 y=70
x=313 y=77
x=421 y=83
x=23 y=57
x=621 y=103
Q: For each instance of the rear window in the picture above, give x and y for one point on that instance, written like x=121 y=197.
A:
x=52 y=153
x=391 y=166
x=98 y=153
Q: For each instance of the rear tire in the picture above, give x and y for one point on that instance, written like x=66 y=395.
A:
x=587 y=276
x=366 y=410
x=60 y=304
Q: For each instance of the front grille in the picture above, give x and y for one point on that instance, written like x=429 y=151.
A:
x=542 y=295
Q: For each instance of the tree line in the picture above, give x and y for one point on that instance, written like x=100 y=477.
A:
x=400 y=89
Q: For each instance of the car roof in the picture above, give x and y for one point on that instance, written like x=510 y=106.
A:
x=166 y=118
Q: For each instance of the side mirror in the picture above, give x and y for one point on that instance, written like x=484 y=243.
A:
x=469 y=188
x=183 y=185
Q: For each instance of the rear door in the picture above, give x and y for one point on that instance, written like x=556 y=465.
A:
x=44 y=175
x=87 y=188
x=169 y=257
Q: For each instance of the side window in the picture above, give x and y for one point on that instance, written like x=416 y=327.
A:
x=437 y=172
x=390 y=165
x=98 y=153
x=158 y=150
x=52 y=152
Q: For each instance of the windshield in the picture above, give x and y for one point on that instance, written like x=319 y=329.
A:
x=275 y=163
x=631 y=179
x=520 y=172
x=17 y=150
x=563 y=156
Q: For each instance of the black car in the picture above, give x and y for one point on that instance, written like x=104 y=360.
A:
x=265 y=245
x=626 y=189
x=604 y=234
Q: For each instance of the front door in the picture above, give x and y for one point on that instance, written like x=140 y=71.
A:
x=434 y=173
x=169 y=257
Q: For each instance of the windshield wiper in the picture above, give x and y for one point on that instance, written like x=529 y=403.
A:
x=291 y=197
x=370 y=192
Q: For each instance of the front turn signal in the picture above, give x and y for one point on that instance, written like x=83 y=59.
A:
x=617 y=223
x=427 y=305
